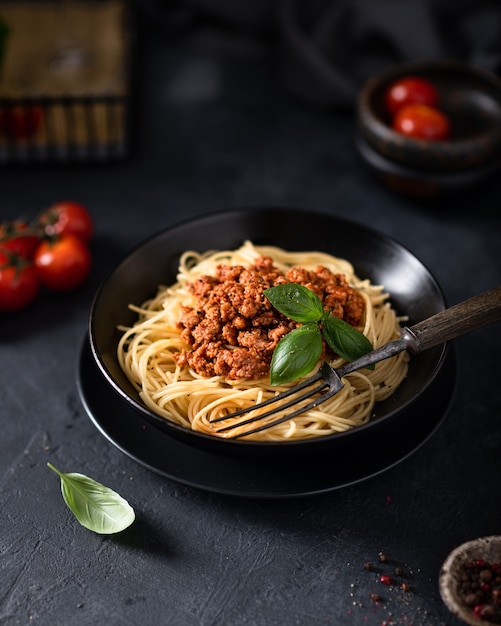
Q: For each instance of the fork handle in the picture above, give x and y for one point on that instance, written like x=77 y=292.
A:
x=453 y=322
x=457 y=320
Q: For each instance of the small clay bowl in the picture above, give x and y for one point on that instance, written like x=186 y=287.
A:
x=469 y=95
x=486 y=548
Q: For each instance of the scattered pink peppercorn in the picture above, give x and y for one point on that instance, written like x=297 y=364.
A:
x=386 y=579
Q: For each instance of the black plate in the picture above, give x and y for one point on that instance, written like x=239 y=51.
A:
x=269 y=478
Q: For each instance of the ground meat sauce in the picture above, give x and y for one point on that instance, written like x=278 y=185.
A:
x=234 y=329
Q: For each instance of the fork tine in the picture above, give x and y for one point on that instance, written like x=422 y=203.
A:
x=293 y=390
x=280 y=420
x=272 y=411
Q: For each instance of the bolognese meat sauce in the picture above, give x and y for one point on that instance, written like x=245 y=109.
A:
x=234 y=329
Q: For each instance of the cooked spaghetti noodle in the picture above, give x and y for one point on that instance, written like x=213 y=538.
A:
x=148 y=353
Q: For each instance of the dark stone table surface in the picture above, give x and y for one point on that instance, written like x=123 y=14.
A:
x=213 y=131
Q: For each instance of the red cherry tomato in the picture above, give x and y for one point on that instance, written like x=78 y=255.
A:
x=410 y=90
x=63 y=263
x=20 y=122
x=67 y=217
x=19 y=282
x=422 y=122
x=19 y=237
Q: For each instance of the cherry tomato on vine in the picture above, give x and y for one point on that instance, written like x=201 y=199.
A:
x=410 y=90
x=67 y=217
x=63 y=263
x=19 y=237
x=422 y=122
x=19 y=282
x=20 y=122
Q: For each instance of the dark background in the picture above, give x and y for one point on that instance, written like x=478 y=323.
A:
x=248 y=104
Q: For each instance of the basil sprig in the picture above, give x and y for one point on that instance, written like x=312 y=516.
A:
x=298 y=351
x=95 y=506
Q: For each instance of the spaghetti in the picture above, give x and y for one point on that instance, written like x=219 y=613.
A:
x=149 y=353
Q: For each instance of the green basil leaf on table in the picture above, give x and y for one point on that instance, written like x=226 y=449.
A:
x=296 y=302
x=296 y=354
x=344 y=339
x=95 y=506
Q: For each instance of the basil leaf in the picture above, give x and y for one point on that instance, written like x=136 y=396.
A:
x=95 y=506
x=296 y=354
x=297 y=302
x=344 y=339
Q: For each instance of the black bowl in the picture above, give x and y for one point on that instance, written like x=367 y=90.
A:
x=414 y=293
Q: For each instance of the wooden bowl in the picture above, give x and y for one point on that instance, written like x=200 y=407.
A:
x=487 y=549
x=470 y=96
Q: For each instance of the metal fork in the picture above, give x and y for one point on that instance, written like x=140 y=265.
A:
x=455 y=321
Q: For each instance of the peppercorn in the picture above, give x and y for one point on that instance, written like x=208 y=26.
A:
x=485 y=575
x=472 y=599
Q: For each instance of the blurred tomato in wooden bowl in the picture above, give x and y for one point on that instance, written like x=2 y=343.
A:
x=431 y=127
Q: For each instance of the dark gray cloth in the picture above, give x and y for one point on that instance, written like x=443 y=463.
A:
x=326 y=49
